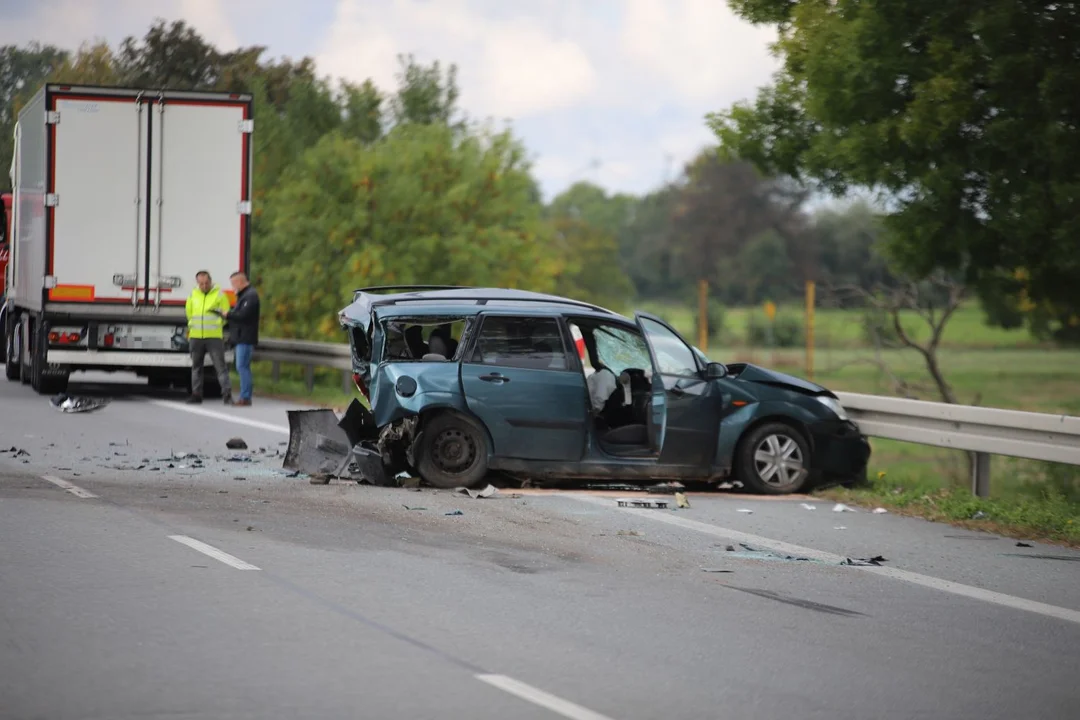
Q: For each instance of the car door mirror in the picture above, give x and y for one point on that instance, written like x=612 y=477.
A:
x=715 y=371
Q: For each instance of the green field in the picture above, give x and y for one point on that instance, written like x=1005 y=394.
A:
x=985 y=366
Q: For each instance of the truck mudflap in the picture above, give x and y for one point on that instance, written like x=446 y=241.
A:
x=321 y=445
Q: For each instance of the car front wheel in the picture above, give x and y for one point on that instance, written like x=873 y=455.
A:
x=774 y=459
x=454 y=452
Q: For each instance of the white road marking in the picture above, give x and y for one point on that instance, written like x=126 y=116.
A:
x=213 y=552
x=73 y=489
x=948 y=586
x=196 y=410
x=538 y=697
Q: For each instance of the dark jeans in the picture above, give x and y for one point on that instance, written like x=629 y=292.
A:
x=216 y=348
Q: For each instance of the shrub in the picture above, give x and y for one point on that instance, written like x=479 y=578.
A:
x=787 y=331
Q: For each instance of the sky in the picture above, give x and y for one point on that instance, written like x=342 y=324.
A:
x=610 y=91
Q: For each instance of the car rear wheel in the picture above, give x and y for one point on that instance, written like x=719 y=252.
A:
x=454 y=452
x=774 y=459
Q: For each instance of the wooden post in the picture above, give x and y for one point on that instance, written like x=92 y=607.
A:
x=810 y=329
x=703 y=316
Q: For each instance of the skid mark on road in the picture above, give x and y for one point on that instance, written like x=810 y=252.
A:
x=213 y=552
x=934 y=583
x=73 y=489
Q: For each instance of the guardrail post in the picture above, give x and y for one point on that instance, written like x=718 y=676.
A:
x=275 y=371
x=346 y=382
x=309 y=378
x=980 y=475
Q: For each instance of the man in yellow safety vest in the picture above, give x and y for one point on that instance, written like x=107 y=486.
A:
x=206 y=310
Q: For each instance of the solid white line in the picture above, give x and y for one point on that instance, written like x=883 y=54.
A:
x=538 y=697
x=195 y=410
x=213 y=552
x=73 y=489
x=928 y=581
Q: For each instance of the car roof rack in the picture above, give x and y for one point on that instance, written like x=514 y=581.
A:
x=409 y=288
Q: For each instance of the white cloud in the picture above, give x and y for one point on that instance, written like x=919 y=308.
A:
x=698 y=48
x=509 y=67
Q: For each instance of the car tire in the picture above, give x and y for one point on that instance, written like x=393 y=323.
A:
x=453 y=452
x=774 y=459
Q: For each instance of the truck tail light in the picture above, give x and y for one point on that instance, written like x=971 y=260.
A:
x=108 y=340
x=64 y=338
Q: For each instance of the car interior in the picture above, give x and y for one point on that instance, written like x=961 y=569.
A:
x=427 y=339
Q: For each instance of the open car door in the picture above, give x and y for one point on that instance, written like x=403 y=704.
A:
x=686 y=406
x=658 y=403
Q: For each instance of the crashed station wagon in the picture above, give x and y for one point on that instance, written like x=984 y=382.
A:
x=463 y=382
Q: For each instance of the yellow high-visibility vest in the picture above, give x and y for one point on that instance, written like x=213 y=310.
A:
x=203 y=324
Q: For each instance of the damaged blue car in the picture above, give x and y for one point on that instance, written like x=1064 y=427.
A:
x=463 y=382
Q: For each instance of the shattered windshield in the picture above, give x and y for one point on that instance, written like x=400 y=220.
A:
x=619 y=349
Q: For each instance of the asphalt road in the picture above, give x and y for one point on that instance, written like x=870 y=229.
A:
x=221 y=588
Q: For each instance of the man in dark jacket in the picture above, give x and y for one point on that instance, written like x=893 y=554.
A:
x=244 y=332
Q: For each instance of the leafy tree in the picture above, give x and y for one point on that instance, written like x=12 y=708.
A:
x=965 y=114
x=590 y=268
x=22 y=71
x=424 y=94
x=422 y=205
x=173 y=56
x=92 y=65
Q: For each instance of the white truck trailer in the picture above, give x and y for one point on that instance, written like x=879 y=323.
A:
x=120 y=197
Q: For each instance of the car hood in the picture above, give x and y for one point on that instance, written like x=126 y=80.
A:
x=763 y=376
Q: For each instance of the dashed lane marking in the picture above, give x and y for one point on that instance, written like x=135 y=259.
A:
x=73 y=489
x=213 y=552
x=555 y=704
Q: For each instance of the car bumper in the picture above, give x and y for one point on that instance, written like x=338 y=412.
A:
x=841 y=453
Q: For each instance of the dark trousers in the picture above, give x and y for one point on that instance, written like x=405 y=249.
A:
x=216 y=348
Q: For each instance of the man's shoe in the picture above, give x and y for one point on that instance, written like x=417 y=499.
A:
x=242 y=403
x=195 y=400
x=227 y=399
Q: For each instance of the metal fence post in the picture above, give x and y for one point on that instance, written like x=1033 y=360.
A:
x=346 y=382
x=275 y=371
x=309 y=377
x=980 y=475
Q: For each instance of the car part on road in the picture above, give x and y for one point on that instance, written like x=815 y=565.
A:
x=681 y=501
x=808 y=506
x=745 y=511
x=841 y=507
x=236 y=444
x=487 y=492
x=864 y=562
x=72 y=404
x=773 y=459
x=879 y=511
x=643 y=503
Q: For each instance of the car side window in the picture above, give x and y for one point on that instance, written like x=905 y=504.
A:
x=672 y=354
x=532 y=343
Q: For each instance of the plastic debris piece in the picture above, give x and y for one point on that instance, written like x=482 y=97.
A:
x=454 y=512
x=840 y=527
x=487 y=492
x=236 y=444
x=1023 y=544
x=667 y=488
x=413 y=508
x=864 y=562
x=681 y=501
x=716 y=570
x=841 y=507
x=73 y=404
x=730 y=548
x=880 y=511
x=643 y=503
x=745 y=511
x=980 y=515
x=808 y=506
x=239 y=458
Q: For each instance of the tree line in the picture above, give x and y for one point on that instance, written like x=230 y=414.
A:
x=355 y=185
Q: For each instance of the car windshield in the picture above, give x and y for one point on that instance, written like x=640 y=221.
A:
x=619 y=349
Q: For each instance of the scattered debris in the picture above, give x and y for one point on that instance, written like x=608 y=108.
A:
x=18 y=452
x=487 y=492
x=412 y=483
x=454 y=512
x=413 y=508
x=223 y=492
x=745 y=511
x=239 y=458
x=716 y=570
x=865 y=562
x=840 y=527
x=808 y=506
x=236 y=444
x=1067 y=558
x=629 y=533
x=643 y=503
x=1023 y=544
x=250 y=528
x=730 y=548
x=752 y=553
x=879 y=511
x=980 y=515
x=667 y=488
x=681 y=501
x=733 y=485
x=73 y=404
x=841 y=507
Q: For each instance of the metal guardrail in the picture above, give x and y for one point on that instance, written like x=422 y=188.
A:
x=978 y=430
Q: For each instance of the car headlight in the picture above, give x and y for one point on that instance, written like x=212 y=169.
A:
x=834 y=405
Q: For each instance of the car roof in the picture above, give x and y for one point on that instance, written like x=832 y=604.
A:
x=434 y=300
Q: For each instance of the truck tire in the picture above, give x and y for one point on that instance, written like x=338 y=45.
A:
x=12 y=368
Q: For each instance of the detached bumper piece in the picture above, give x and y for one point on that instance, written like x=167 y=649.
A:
x=322 y=446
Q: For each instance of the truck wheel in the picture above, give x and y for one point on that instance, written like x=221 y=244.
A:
x=454 y=452
x=12 y=366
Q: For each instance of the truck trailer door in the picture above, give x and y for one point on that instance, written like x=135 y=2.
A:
x=200 y=155
x=96 y=243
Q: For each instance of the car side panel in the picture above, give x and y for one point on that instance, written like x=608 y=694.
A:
x=733 y=425
x=437 y=385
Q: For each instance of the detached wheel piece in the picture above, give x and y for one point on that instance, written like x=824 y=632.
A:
x=454 y=452
x=774 y=459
